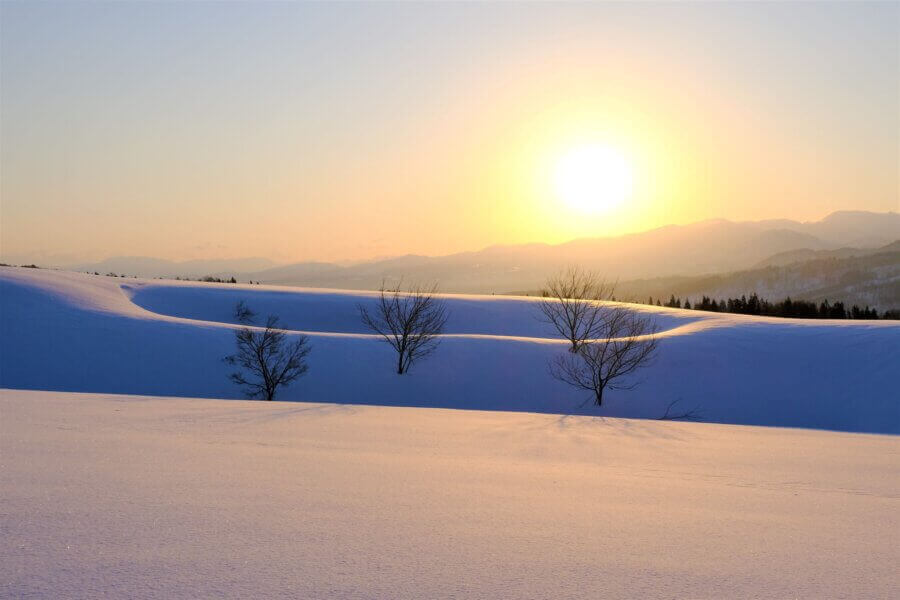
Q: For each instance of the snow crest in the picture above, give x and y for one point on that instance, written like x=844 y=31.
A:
x=66 y=331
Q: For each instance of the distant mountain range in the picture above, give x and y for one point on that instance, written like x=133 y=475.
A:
x=704 y=248
x=852 y=275
x=805 y=254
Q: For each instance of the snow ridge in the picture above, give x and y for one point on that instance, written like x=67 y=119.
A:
x=75 y=332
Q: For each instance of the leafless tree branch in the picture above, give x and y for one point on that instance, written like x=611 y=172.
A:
x=573 y=304
x=689 y=415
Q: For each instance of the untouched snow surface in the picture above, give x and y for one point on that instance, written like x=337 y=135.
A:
x=75 y=332
x=145 y=497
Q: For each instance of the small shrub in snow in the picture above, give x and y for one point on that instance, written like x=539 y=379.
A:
x=242 y=313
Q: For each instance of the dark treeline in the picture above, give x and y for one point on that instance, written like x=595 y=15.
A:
x=799 y=309
x=208 y=279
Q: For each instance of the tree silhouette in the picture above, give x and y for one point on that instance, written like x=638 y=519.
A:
x=410 y=322
x=626 y=343
x=267 y=359
x=572 y=304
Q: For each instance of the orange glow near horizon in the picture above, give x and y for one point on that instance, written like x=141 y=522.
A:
x=545 y=124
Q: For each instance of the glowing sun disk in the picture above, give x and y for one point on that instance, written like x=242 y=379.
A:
x=593 y=179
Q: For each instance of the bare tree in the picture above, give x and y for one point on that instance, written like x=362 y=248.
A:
x=242 y=313
x=267 y=359
x=410 y=322
x=572 y=304
x=625 y=342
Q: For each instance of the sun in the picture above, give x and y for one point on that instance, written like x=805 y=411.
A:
x=593 y=179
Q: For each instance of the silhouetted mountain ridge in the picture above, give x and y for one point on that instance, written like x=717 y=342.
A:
x=705 y=247
x=702 y=248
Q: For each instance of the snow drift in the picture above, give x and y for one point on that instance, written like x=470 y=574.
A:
x=76 y=332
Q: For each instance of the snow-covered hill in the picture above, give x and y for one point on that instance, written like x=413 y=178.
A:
x=75 y=332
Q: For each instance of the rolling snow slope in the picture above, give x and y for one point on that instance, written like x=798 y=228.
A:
x=75 y=332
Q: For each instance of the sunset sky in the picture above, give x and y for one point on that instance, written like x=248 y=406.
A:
x=333 y=131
